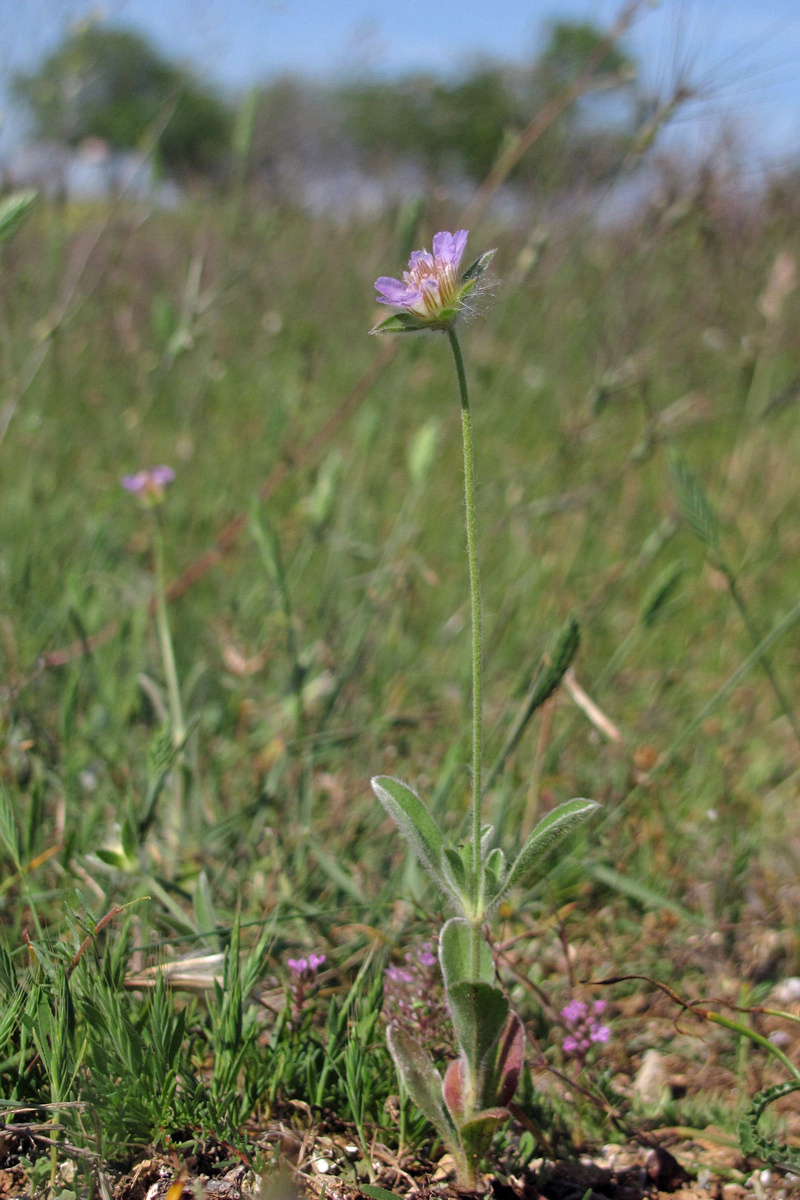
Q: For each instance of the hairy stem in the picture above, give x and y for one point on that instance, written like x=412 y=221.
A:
x=165 y=642
x=475 y=598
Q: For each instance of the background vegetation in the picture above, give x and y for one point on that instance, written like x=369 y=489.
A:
x=329 y=643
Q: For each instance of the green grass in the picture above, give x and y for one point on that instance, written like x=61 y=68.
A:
x=576 y=377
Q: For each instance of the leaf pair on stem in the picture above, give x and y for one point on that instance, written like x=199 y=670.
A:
x=469 y=1104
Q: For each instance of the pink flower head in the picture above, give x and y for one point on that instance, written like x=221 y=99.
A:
x=149 y=484
x=431 y=283
x=426 y=956
x=433 y=289
x=583 y=1028
x=305 y=967
x=302 y=981
x=599 y=1033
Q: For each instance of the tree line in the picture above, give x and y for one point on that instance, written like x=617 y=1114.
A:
x=113 y=84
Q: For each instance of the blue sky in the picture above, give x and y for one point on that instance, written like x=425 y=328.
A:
x=745 y=54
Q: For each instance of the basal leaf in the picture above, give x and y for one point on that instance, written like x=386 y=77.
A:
x=421 y=1080
x=478 y=1011
x=476 y=1134
x=453 y=1090
x=377 y=1193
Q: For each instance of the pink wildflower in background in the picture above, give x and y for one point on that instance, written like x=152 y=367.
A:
x=413 y=999
x=584 y=1029
x=149 y=484
x=302 y=973
x=306 y=966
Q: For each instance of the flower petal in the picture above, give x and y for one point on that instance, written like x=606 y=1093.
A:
x=161 y=476
x=423 y=257
x=397 y=293
x=135 y=483
x=459 y=245
x=442 y=245
x=448 y=248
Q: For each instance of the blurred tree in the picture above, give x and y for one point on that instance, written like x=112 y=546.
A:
x=568 y=46
x=588 y=141
x=112 y=84
x=293 y=121
x=463 y=124
x=445 y=126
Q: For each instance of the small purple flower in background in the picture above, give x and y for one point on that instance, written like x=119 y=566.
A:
x=432 y=290
x=302 y=975
x=426 y=956
x=584 y=1028
x=149 y=484
x=413 y=1000
x=306 y=967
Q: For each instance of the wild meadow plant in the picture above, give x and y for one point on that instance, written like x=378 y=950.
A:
x=149 y=486
x=470 y=1103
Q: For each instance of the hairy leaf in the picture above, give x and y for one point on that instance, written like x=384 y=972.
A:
x=479 y=267
x=479 y=1012
x=455 y=955
x=415 y=823
x=477 y=1133
x=453 y=869
x=508 y=1063
x=552 y=829
x=399 y=323
x=453 y=1090
x=421 y=1080
x=493 y=876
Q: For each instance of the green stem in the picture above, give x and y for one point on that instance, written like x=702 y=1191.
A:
x=745 y=1031
x=475 y=598
x=165 y=642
